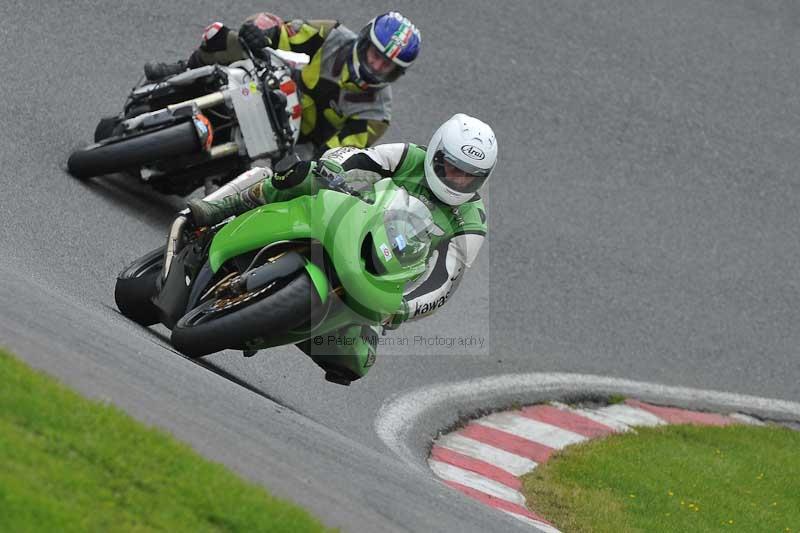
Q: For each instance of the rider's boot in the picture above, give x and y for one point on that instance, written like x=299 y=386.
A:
x=240 y=183
x=158 y=71
x=345 y=354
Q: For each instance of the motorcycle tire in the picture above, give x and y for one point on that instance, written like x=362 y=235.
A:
x=202 y=331
x=121 y=153
x=136 y=286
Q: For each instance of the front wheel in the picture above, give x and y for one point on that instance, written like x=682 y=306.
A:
x=229 y=323
x=121 y=153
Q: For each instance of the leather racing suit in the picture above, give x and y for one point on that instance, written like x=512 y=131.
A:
x=336 y=110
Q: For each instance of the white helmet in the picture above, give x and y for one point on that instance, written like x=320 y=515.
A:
x=466 y=143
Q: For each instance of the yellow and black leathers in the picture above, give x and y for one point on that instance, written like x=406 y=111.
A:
x=336 y=110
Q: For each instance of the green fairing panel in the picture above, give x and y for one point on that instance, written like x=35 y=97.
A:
x=285 y=220
x=342 y=228
x=341 y=223
x=259 y=227
x=319 y=280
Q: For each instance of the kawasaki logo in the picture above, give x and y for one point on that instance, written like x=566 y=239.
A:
x=422 y=309
x=473 y=152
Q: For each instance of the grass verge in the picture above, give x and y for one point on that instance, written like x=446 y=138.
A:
x=673 y=479
x=70 y=464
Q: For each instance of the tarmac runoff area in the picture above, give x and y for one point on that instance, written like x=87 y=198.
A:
x=486 y=458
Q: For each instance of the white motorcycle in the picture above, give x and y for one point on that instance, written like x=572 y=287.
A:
x=202 y=127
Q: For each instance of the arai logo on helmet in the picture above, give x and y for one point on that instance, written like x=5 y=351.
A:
x=473 y=152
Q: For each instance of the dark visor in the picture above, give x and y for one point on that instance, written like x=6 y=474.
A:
x=478 y=175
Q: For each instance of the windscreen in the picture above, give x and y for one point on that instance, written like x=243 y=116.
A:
x=408 y=222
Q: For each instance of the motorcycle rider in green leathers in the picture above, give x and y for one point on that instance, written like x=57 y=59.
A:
x=445 y=176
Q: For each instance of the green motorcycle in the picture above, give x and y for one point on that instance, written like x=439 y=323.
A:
x=282 y=273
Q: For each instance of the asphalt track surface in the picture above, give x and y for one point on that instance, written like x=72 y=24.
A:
x=642 y=226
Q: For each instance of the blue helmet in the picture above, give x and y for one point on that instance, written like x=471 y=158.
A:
x=395 y=38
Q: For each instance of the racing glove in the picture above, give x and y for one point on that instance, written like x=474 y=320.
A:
x=260 y=32
x=294 y=175
x=301 y=171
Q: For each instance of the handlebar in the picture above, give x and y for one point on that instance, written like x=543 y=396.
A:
x=333 y=181
x=258 y=57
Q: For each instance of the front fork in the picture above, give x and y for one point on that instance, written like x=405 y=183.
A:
x=174 y=242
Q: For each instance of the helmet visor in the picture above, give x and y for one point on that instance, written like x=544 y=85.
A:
x=374 y=66
x=457 y=174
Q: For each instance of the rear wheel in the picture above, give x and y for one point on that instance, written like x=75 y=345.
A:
x=121 y=153
x=229 y=323
x=136 y=286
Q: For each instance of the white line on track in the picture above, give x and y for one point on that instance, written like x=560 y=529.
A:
x=509 y=462
x=620 y=415
x=592 y=414
x=747 y=419
x=477 y=482
x=532 y=430
x=616 y=425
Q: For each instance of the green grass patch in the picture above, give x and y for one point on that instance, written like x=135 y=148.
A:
x=673 y=479
x=70 y=464
x=615 y=399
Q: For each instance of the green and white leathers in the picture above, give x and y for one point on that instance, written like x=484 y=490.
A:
x=456 y=235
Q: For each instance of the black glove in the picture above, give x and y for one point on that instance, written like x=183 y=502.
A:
x=256 y=39
x=293 y=175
